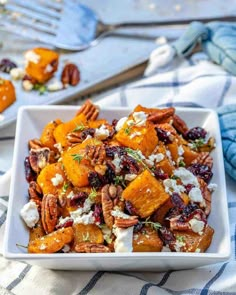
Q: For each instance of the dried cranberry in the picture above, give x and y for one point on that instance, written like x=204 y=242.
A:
x=85 y=133
x=189 y=209
x=173 y=212
x=30 y=175
x=166 y=236
x=95 y=180
x=6 y=65
x=138 y=227
x=163 y=135
x=78 y=199
x=129 y=165
x=67 y=223
x=202 y=171
x=130 y=208
x=114 y=122
x=159 y=174
x=110 y=174
x=195 y=133
x=112 y=150
x=97 y=213
x=177 y=201
x=188 y=188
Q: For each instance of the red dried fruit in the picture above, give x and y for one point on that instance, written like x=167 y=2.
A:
x=30 y=175
x=195 y=133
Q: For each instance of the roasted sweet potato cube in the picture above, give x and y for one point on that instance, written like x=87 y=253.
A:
x=51 y=178
x=37 y=231
x=147 y=240
x=145 y=193
x=75 y=125
x=7 y=94
x=189 y=155
x=77 y=167
x=87 y=233
x=47 y=138
x=193 y=242
x=42 y=63
x=165 y=164
x=138 y=138
x=52 y=242
x=97 y=123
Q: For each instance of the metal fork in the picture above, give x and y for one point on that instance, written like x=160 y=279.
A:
x=68 y=25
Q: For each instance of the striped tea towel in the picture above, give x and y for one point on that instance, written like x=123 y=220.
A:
x=195 y=82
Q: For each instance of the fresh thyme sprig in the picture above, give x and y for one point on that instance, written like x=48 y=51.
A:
x=65 y=187
x=119 y=180
x=153 y=225
x=197 y=143
x=80 y=127
x=77 y=157
x=93 y=194
x=136 y=156
x=127 y=131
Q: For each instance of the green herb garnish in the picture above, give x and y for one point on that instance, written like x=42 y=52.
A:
x=80 y=127
x=40 y=88
x=136 y=156
x=77 y=157
x=197 y=143
x=119 y=180
x=93 y=194
x=65 y=187
x=127 y=131
x=181 y=163
x=153 y=225
x=180 y=239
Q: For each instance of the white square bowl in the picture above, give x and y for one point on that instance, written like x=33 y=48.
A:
x=30 y=123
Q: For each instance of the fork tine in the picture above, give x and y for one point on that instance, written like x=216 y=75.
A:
x=37 y=8
x=17 y=12
x=50 y=4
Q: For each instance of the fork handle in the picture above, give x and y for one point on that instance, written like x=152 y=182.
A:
x=111 y=27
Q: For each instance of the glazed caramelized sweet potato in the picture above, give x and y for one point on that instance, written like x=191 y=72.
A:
x=51 y=178
x=47 y=138
x=145 y=193
x=75 y=125
x=166 y=164
x=87 y=233
x=147 y=240
x=42 y=63
x=195 y=242
x=37 y=231
x=52 y=242
x=7 y=94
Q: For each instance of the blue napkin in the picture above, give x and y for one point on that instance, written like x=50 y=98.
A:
x=227 y=118
x=218 y=40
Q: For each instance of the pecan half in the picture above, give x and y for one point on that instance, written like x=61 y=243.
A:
x=49 y=212
x=206 y=206
x=179 y=124
x=161 y=115
x=70 y=75
x=124 y=223
x=35 y=144
x=204 y=158
x=91 y=248
x=35 y=192
x=74 y=138
x=90 y=111
x=39 y=158
x=107 y=206
x=96 y=154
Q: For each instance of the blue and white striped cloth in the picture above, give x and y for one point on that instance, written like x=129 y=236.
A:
x=193 y=82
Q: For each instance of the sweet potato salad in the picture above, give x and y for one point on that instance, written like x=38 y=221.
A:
x=140 y=183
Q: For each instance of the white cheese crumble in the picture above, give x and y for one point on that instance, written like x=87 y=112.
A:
x=120 y=123
x=55 y=85
x=180 y=150
x=85 y=218
x=195 y=195
x=130 y=177
x=30 y=214
x=116 y=162
x=63 y=220
x=136 y=133
x=171 y=186
x=31 y=56
x=27 y=85
x=124 y=239
x=76 y=215
x=186 y=176
x=197 y=226
x=70 y=195
x=140 y=118
x=17 y=73
x=178 y=245
x=119 y=214
x=48 y=69
x=106 y=231
x=152 y=159
x=58 y=179
x=212 y=187
x=130 y=123
x=102 y=132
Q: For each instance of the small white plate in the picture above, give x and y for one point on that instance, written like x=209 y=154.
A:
x=30 y=123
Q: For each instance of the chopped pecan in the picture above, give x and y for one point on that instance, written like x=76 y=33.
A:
x=35 y=192
x=177 y=224
x=70 y=75
x=96 y=154
x=204 y=158
x=74 y=138
x=126 y=222
x=39 y=158
x=49 y=212
x=89 y=110
x=35 y=144
x=205 y=206
x=179 y=124
x=161 y=115
x=107 y=206
x=91 y=248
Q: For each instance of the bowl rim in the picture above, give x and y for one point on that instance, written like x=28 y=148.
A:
x=218 y=256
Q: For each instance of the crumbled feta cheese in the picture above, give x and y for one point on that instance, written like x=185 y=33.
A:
x=27 y=85
x=31 y=56
x=119 y=214
x=140 y=118
x=171 y=186
x=212 y=187
x=120 y=123
x=180 y=150
x=85 y=218
x=70 y=195
x=63 y=220
x=106 y=231
x=102 y=132
x=58 y=179
x=48 y=69
x=124 y=239
x=196 y=225
x=195 y=195
x=55 y=85
x=66 y=249
x=140 y=154
x=152 y=159
x=116 y=162
x=17 y=73
x=186 y=176
x=30 y=214
x=135 y=134
x=130 y=177
x=178 y=245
